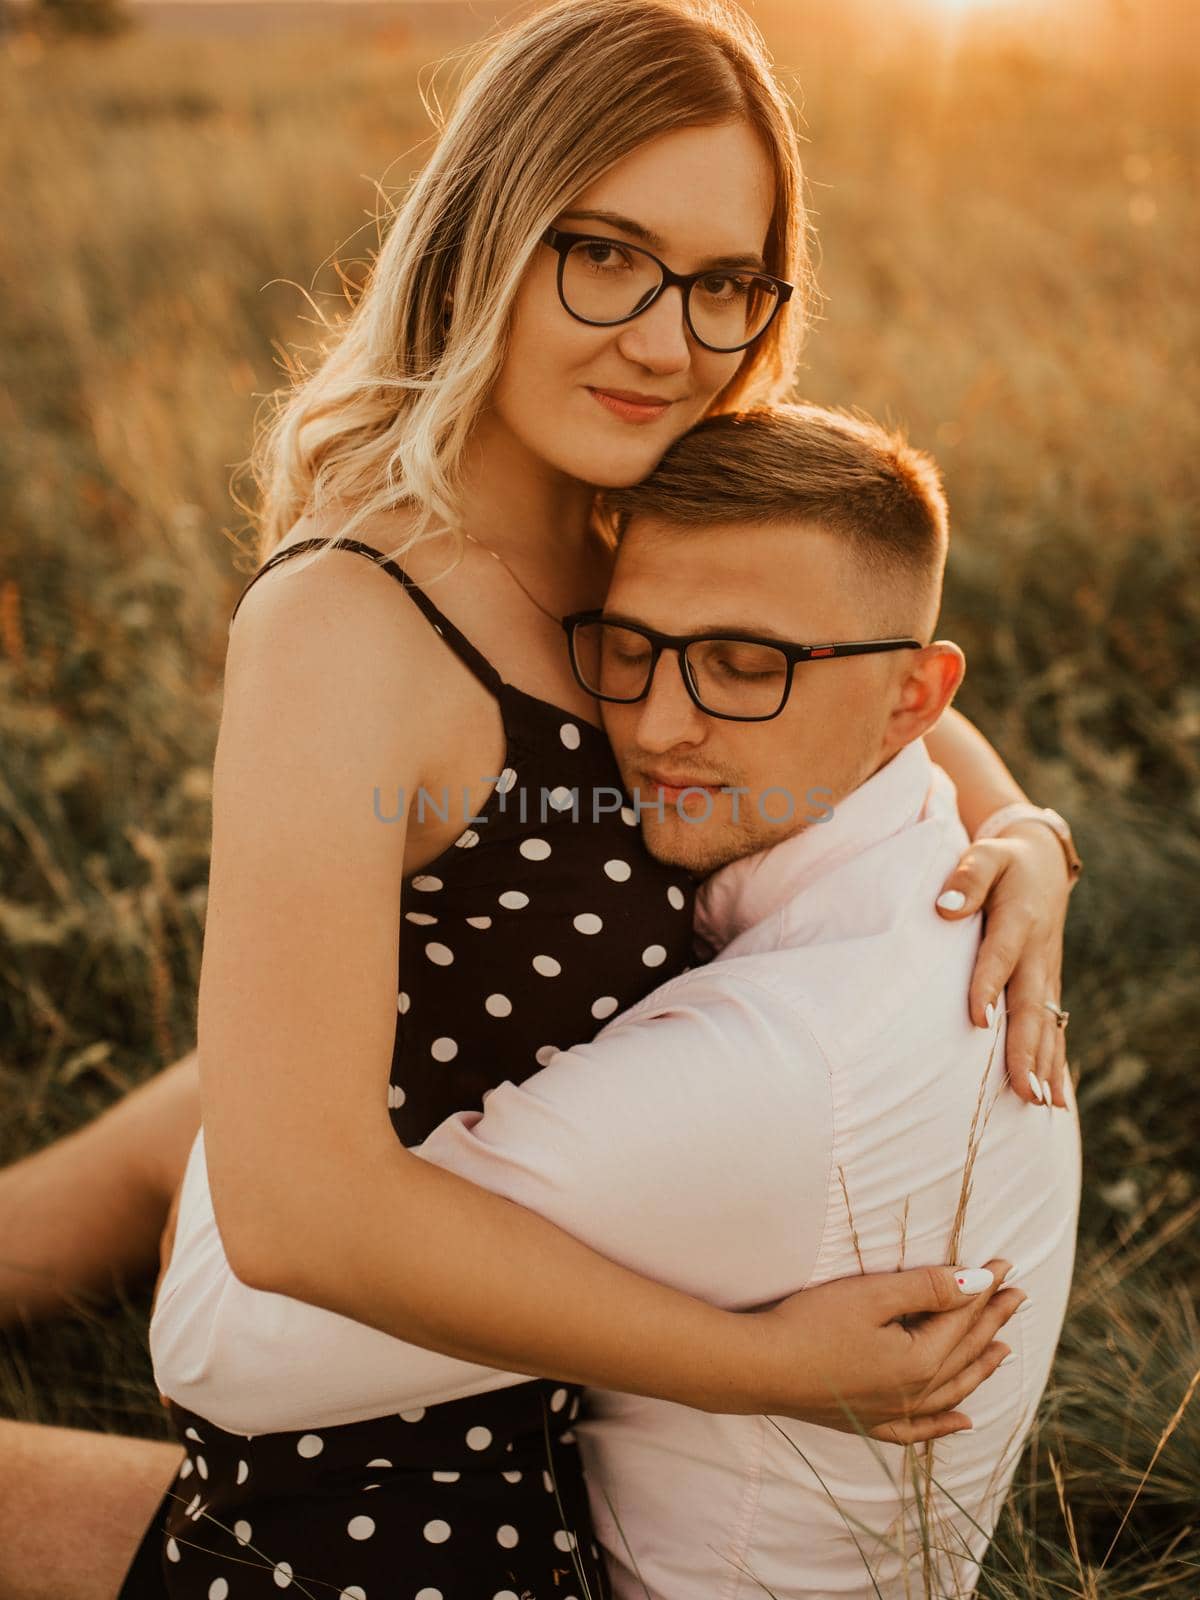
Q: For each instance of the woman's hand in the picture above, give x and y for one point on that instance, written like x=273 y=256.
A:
x=1020 y=880
x=894 y=1352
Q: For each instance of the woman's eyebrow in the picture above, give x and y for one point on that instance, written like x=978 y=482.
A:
x=654 y=241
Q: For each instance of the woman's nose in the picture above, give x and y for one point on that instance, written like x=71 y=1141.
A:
x=657 y=337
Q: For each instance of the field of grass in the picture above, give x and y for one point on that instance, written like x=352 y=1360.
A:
x=1009 y=233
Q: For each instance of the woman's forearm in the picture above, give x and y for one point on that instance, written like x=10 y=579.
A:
x=983 y=782
x=608 y=1326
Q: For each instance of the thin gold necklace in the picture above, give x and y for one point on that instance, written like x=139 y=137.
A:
x=496 y=555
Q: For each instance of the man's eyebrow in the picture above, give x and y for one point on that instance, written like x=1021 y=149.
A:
x=636 y=230
x=752 y=630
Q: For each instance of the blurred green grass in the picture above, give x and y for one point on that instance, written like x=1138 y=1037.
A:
x=1008 y=229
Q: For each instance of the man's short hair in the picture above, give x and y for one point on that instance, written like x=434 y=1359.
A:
x=832 y=468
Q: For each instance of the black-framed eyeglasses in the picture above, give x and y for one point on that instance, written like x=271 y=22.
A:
x=737 y=676
x=605 y=281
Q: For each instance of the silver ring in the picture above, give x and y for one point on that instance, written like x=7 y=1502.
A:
x=1062 y=1017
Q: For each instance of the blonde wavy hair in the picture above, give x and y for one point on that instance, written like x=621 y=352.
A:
x=552 y=103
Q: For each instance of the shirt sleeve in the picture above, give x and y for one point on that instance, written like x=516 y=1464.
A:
x=690 y=1141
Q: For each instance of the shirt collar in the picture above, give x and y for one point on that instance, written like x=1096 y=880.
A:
x=747 y=891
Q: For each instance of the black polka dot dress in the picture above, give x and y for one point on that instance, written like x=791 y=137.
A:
x=544 y=918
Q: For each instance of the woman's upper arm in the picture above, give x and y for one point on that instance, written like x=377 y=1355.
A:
x=298 y=982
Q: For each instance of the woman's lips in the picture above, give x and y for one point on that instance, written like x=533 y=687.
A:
x=630 y=410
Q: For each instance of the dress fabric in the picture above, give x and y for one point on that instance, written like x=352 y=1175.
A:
x=544 y=918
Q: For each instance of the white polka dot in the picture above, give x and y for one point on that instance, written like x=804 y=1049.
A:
x=429 y=1594
x=504 y=1594
x=542 y=1056
x=283 y=1574
x=192 y=1506
x=379 y=1461
x=422 y=919
x=548 y=1482
x=569 y=734
x=426 y=883
x=355 y=1593
x=446 y=1477
x=202 y=1466
x=414 y=1415
x=218 y=1589
x=564 y=1540
x=547 y=966
x=506 y=780
x=188 y=1467
x=654 y=955
x=403 y=1002
x=172 y=1550
x=479 y=1438
x=498 y=1005
x=558 y=1399
x=604 y=1007
x=479 y=922
x=439 y=954
x=396 y=1097
x=535 y=849
x=561 y=798
x=507 y=1536
x=511 y=1477
x=190 y=1433
x=437 y=1531
x=513 y=900
x=676 y=897
x=242 y=1532
x=588 y=922
x=310 y=1445
x=467 y=840
x=566 y=1438
x=243 y=1471
x=574 y=1411
x=618 y=871
x=629 y=816
x=360 y=1527
x=444 y=1049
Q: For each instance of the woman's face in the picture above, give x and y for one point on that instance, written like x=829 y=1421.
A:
x=694 y=197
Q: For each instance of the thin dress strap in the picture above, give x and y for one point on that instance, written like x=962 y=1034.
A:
x=441 y=624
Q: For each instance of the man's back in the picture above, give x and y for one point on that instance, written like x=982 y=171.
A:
x=920 y=1154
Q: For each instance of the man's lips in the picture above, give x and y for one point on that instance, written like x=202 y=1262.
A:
x=630 y=405
x=673 y=784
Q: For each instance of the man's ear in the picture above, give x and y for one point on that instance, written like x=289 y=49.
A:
x=931 y=679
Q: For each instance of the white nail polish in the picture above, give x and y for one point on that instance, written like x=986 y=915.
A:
x=989 y=1014
x=1049 y=1093
x=1035 y=1083
x=1013 y=1272
x=1008 y=1360
x=973 y=1280
x=952 y=900
x=1023 y=1306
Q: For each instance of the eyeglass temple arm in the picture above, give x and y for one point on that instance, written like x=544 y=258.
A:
x=815 y=652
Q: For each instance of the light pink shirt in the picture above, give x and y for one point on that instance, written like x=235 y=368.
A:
x=717 y=1137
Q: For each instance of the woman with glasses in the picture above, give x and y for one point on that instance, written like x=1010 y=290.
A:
x=606 y=244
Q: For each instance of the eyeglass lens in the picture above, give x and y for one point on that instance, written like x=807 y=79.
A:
x=604 y=282
x=730 y=676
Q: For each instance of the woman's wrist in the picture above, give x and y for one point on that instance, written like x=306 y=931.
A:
x=1021 y=816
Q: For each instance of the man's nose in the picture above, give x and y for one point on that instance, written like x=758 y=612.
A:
x=657 y=338
x=668 y=715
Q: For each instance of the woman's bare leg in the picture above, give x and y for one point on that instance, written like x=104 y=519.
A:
x=85 y=1214
x=74 y=1507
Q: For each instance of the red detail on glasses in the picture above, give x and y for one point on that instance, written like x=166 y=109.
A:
x=823 y=650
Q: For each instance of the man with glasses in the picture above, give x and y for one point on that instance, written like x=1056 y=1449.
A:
x=814 y=1101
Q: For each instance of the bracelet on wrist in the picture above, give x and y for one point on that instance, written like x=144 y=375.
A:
x=1020 y=811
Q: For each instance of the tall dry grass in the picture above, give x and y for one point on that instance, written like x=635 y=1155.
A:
x=1006 y=210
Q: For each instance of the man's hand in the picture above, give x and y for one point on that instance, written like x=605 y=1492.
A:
x=1020 y=881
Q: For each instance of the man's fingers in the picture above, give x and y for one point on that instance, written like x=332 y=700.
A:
x=968 y=886
x=955 y=1390
x=914 y=1430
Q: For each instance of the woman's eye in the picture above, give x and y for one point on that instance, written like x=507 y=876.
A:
x=600 y=253
x=724 y=287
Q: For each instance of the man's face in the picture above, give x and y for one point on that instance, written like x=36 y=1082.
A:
x=844 y=718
